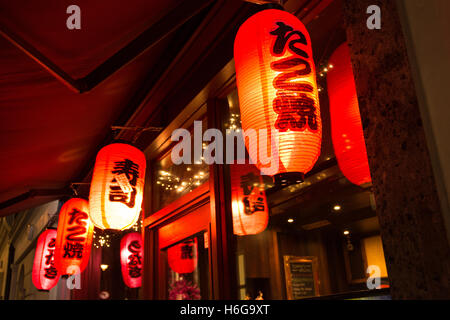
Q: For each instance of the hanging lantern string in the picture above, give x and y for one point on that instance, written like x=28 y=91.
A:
x=139 y=130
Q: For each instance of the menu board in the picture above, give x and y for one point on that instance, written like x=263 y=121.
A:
x=301 y=277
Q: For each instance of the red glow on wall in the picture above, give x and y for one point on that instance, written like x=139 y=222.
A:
x=182 y=257
x=276 y=81
x=74 y=237
x=346 y=127
x=132 y=259
x=248 y=200
x=45 y=275
x=117 y=187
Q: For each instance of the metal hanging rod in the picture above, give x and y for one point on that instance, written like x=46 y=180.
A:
x=155 y=129
x=139 y=130
x=74 y=189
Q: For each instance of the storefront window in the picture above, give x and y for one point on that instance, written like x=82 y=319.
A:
x=321 y=236
x=171 y=182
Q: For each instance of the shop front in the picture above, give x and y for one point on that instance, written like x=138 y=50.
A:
x=354 y=208
x=224 y=230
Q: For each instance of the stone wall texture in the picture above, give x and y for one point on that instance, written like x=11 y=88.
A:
x=414 y=237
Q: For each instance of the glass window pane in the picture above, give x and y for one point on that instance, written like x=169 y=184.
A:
x=170 y=182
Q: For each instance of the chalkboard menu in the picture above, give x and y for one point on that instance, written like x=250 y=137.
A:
x=301 y=277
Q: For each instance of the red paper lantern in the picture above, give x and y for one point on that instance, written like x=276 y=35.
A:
x=132 y=259
x=74 y=238
x=346 y=127
x=45 y=275
x=276 y=81
x=183 y=256
x=248 y=200
x=117 y=187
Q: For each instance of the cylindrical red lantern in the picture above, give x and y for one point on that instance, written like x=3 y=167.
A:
x=248 y=200
x=132 y=259
x=74 y=238
x=117 y=187
x=45 y=275
x=276 y=81
x=346 y=127
x=183 y=256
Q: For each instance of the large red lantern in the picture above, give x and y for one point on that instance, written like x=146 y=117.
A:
x=74 y=238
x=276 y=81
x=45 y=275
x=248 y=200
x=117 y=187
x=132 y=259
x=183 y=256
x=346 y=127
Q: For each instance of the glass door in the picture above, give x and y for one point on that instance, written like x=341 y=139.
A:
x=184 y=256
x=187 y=269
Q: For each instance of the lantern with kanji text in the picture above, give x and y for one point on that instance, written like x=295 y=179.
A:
x=117 y=187
x=44 y=274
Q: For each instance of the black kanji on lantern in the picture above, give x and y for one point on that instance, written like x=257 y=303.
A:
x=73 y=250
x=131 y=171
x=296 y=110
x=134 y=259
x=248 y=183
x=77 y=221
x=129 y=168
x=187 y=251
x=134 y=271
x=283 y=33
x=50 y=271
x=253 y=198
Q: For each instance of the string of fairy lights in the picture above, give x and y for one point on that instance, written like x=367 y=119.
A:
x=168 y=181
x=324 y=69
x=103 y=238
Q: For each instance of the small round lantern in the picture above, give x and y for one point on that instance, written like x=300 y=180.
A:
x=182 y=257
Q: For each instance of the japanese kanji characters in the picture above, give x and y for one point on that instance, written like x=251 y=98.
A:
x=50 y=270
x=132 y=259
x=182 y=257
x=295 y=108
x=117 y=193
x=248 y=200
x=253 y=193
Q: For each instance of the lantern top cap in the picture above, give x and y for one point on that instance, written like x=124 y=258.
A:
x=266 y=16
x=121 y=146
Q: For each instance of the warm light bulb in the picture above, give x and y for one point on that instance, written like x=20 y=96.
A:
x=104 y=267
